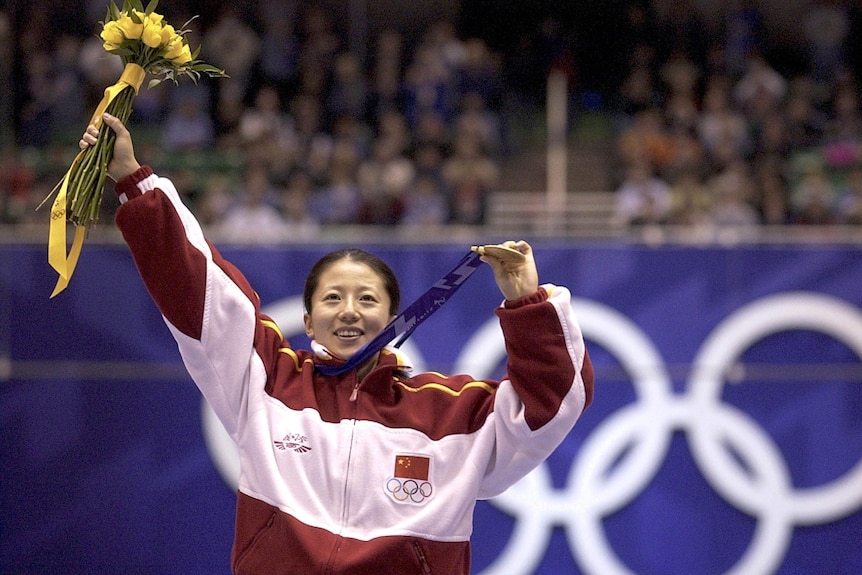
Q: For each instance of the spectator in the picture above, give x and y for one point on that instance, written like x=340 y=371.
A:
x=294 y=204
x=383 y=180
x=691 y=202
x=470 y=176
x=642 y=198
x=386 y=73
x=348 y=93
x=432 y=130
x=826 y=26
x=639 y=91
x=426 y=205
x=732 y=190
x=760 y=80
x=849 y=205
x=308 y=132
x=265 y=120
x=319 y=46
x=476 y=120
x=687 y=153
x=646 y=140
x=66 y=88
x=771 y=195
x=233 y=45
x=771 y=139
x=428 y=87
x=805 y=123
x=337 y=202
x=478 y=74
x=188 y=127
x=722 y=129
x=744 y=34
x=845 y=122
x=277 y=64
x=17 y=181
x=215 y=200
x=680 y=74
x=35 y=119
x=254 y=217
x=813 y=199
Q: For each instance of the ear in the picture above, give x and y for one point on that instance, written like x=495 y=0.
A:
x=309 y=330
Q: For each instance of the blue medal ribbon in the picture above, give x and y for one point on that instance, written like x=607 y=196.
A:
x=408 y=320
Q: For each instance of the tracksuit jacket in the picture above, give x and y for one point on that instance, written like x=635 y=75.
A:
x=342 y=476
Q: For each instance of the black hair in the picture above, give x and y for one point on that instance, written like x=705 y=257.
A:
x=381 y=268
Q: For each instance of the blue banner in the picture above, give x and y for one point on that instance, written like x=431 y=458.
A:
x=725 y=436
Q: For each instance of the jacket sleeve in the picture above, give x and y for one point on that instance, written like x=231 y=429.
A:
x=548 y=385
x=206 y=302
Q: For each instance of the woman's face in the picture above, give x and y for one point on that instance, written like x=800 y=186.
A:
x=348 y=308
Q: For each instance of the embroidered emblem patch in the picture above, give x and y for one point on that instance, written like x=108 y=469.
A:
x=295 y=442
x=410 y=482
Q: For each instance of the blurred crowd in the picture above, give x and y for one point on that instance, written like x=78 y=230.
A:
x=302 y=135
x=732 y=131
x=710 y=123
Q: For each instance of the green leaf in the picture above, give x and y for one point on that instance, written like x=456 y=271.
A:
x=122 y=52
x=210 y=70
x=151 y=7
x=137 y=5
x=153 y=83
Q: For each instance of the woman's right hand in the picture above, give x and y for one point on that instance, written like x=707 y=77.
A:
x=124 y=162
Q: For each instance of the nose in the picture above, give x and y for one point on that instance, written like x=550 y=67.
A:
x=348 y=310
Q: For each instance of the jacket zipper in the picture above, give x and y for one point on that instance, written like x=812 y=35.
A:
x=420 y=555
x=345 y=491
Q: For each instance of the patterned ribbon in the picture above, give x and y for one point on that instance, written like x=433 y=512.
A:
x=407 y=321
x=133 y=75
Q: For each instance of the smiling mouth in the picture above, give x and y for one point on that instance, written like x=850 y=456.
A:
x=348 y=333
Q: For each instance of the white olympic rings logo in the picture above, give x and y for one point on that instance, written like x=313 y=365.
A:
x=408 y=490
x=625 y=452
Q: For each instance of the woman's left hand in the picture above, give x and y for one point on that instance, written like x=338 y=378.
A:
x=515 y=280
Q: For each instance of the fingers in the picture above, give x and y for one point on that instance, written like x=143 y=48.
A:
x=504 y=257
x=520 y=245
x=89 y=137
x=114 y=123
x=92 y=132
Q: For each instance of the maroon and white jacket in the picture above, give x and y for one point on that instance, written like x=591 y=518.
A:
x=343 y=476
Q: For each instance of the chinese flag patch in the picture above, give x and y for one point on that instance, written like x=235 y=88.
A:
x=412 y=467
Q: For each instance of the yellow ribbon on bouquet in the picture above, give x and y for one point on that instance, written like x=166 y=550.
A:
x=133 y=75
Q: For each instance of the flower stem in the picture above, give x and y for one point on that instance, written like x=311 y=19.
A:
x=88 y=175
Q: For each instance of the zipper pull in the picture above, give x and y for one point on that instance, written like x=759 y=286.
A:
x=355 y=392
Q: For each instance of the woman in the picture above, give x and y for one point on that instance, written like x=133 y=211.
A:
x=373 y=471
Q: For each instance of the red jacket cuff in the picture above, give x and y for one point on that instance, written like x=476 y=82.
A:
x=129 y=184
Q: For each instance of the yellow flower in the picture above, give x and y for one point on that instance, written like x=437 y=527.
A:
x=131 y=29
x=156 y=18
x=168 y=34
x=174 y=48
x=152 y=35
x=184 y=57
x=112 y=35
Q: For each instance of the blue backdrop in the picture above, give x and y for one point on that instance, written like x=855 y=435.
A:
x=725 y=437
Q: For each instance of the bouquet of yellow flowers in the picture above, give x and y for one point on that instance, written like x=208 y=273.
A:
x=147 y=45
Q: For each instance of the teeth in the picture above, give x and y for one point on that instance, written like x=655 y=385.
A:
x=348 y=333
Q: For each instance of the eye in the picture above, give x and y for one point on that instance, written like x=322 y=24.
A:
x=331 y=297
x=368 y=298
